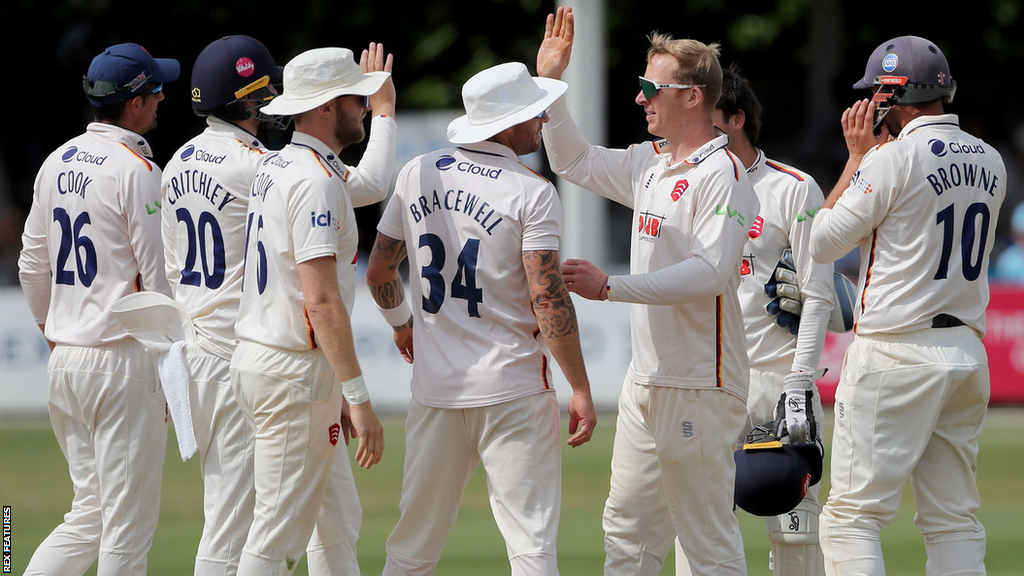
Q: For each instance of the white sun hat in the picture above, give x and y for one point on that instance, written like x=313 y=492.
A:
x=320 y=75
x=501 y=97
x=154 y=319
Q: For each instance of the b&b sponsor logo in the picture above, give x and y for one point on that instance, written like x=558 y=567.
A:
x=73 y=153
x=446 y=162
x=650 y=226
x=199 y=155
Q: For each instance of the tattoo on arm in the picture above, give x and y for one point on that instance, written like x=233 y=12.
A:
x=556 y=315
x=391 y=252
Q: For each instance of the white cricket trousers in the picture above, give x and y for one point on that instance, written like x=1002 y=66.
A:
x=518 y=444
x=912 y=405
x=110 y=418
x=226 y=448
x=293 y=402
x=673 y=475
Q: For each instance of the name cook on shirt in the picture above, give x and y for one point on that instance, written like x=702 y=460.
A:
x=74 y=181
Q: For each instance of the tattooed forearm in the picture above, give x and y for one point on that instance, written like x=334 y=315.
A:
x=389 y=294
x=556 y=315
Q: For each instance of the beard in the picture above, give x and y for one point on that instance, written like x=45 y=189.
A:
x=349 y=130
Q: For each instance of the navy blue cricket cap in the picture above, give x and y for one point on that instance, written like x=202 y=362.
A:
x=121 y=71
x=917 y=59
x=233 y=68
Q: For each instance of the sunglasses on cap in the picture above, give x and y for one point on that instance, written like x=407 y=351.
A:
x=651 y=88
x=104 y=88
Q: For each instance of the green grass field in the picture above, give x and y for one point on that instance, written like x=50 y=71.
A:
x=34 y=482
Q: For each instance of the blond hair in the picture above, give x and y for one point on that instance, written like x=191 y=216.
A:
x=696 y=63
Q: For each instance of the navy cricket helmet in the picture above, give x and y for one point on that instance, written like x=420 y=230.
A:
x=772 y=477
x=231 y=72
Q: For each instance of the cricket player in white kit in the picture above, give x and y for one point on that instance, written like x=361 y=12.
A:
x=915 y=383
x=488 y=303
x=296 y=357
x=779 y=360
x=206 y=190
x=682 y=403
x=91 y=237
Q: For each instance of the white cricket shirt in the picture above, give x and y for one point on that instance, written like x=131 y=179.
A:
x=467 y=215
x=299 y=210
x=205 y=191
x=689 y=226
x=923 y=210
x=789 y=199
x=92 y=235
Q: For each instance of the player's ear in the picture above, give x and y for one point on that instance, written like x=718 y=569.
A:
x=738 y=120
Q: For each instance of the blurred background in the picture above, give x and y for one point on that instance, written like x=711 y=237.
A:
x=801 y=56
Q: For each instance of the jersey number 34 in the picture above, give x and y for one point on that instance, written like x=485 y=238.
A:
x=463 y=285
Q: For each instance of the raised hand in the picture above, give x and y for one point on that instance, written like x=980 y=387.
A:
x=555 y=50
x=858 y=125
x=373 y=60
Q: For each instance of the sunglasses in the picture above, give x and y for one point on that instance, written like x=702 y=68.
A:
x=157 y=89
x=651 y=88
x=102 y=88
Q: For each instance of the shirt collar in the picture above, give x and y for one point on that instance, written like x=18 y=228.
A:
x=758 y=163
x=493 y=148
x=241 y=134
x=135 y=142
x=699 y=155
x=322 y=150
x=929 y=120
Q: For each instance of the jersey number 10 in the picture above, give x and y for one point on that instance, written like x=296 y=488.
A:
x=971 y=263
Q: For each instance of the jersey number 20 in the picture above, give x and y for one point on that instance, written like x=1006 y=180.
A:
x=464 y=283
x=189 y=276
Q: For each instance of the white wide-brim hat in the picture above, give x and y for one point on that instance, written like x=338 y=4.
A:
x=499 y=98
x=154 y=320
x=320 y=75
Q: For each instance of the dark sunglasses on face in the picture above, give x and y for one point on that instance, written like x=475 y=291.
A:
x=650 y=88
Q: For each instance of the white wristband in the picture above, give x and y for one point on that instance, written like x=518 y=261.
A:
x=398 y=315
x=355 y=390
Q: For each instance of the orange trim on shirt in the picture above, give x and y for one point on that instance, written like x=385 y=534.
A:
x=532 y=171
x=326 y=169
x=309 y=329
x=718 y=341
x=251 y=149
x=735 y=166
x=867 y=278
x=144 y=161
x=784 y=170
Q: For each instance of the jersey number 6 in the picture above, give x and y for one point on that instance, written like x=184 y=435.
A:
x=464 y=283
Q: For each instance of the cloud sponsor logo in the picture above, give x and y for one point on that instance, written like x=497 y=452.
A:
x=73 y=153
x=191 y=152
x=445 y=162
x=938 y=147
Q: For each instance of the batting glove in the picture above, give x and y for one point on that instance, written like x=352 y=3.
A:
x=794 y=414
x=785 y=294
